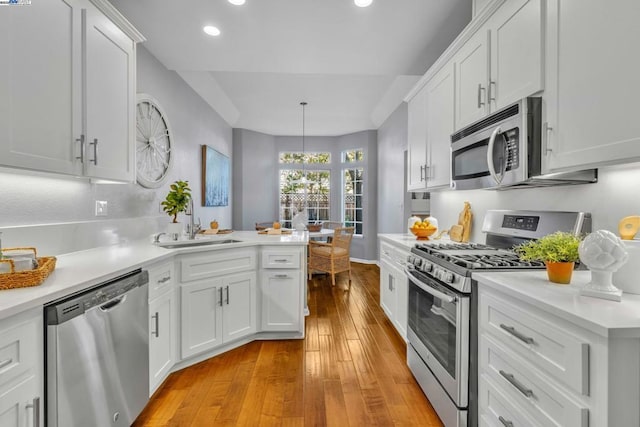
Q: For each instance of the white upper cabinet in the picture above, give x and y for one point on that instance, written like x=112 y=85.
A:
x=417 y=141
x=472 y=71
x=109 y=99
x=440 y=92
x=516 y=52
x=40 y=86
x=69 y=80
x=501 y=63
x=593 y=83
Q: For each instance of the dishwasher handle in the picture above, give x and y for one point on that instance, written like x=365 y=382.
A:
x=108 y=306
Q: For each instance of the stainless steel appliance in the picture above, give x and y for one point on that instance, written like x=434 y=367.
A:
x=97 y=346
x=505 y=150
x=442 y=328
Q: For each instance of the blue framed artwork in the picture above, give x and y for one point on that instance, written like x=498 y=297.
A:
x=215 y=177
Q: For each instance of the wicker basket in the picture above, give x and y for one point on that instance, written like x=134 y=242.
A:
x=23 y=279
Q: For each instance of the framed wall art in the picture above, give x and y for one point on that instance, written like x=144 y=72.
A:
x=215 y=177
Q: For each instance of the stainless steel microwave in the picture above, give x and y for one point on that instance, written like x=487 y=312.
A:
x=504 y=150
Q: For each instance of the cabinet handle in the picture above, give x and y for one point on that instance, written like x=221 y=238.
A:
x=35 y=405
x=279 y=260
x=525 y=339
x=281 y=276
x=227 y=295
x=164 y=279
x=220 y=290
x=81 y=141
x=390 y=282
x=421 y=173
x=6 y=363
x=157 y=319
x=480 y=90
x=95 y=151
x=505 y=423
x=546 y=129
x=492 y=92
x=522 y=389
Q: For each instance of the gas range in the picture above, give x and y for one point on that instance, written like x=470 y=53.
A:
x=453 y=263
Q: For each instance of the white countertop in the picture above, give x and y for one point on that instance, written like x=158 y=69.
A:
x=80 y=270
x=406 y=241
x=603 y=317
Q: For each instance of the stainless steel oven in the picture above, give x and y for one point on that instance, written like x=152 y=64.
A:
x=438 y=335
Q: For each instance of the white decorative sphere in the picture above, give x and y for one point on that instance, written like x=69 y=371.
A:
x=603 y=250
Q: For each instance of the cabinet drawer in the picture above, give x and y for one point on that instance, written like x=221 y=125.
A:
x=216 y=263
x=281 y=258
x=393 y=255
x=160 y=278
x=527 y=387
x=539 y=338
x=497 y=408
x=18 y=347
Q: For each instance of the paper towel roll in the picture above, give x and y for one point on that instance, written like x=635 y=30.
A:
x=627 y=278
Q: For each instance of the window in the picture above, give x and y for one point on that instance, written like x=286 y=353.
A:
x=352 y=190
x=299 y=184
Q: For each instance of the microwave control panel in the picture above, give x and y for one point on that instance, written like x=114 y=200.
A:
x=519 y=222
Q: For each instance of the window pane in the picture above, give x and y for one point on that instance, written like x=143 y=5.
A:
x=350 y=156
x=299 y=157
x=304 y=188
x=352 y=198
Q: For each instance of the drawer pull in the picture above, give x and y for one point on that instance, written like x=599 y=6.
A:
x=281 y=276
x=280 y=260
x=6 y=363
x=505 y=423
x=512 y=331
x=522 y=389
x=164 y=279
x=156 y=317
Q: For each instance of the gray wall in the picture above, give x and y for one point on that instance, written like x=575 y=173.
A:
x=38 y=208
x=255 y=161
x=392 y=195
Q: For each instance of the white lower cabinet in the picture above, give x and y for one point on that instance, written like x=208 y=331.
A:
x=216 y=311
x=394 y=290
x=537 y=368
x=282 y=285
x=21 y=370
x=162 y=338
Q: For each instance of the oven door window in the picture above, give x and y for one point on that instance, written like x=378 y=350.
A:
x=435 y=323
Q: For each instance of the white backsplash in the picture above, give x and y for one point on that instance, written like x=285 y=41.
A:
x=614 y=196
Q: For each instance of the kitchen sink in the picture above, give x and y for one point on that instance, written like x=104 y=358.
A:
x=195 y=243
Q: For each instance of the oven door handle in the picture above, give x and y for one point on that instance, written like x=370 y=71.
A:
x=492 y=141
x=428 y=289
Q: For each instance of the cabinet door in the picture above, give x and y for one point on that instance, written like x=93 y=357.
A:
x=162 y=339
x=472 y=70
x=40 y=84
x=440 y=112
x=108 y=99
x=516 y=52
x=239 y=313
x=387 y=292
x=281 y=300
x=401 y=289
x=592 y=87
x=201 y=316
x=417 y=141
x=21 y=404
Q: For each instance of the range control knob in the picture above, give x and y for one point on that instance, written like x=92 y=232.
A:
x=427 y=267
x=410 y=259
x=448 y=277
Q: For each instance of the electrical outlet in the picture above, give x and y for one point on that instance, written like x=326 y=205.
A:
x=101 y=208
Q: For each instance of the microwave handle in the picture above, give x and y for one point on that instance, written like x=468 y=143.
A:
x=492 y=141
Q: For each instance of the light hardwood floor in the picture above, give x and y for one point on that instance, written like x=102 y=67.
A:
x=350 y=370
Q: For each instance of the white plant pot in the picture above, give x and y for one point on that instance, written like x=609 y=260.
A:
x=175 y=228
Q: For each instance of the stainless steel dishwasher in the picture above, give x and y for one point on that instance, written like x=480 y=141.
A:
x=98 y=354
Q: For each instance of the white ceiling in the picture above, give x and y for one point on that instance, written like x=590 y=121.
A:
x=352 y=65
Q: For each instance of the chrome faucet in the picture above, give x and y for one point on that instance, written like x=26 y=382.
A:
x=193 y=228
x=156 y=237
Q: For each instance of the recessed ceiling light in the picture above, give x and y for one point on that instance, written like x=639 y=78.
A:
x=211 y=30
x=237 y=2
x=363 y=3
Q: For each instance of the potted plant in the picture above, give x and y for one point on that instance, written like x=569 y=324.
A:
x=559 y=252
x=177 y=201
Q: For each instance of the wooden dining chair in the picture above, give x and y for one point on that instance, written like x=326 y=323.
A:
x=332 y=257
